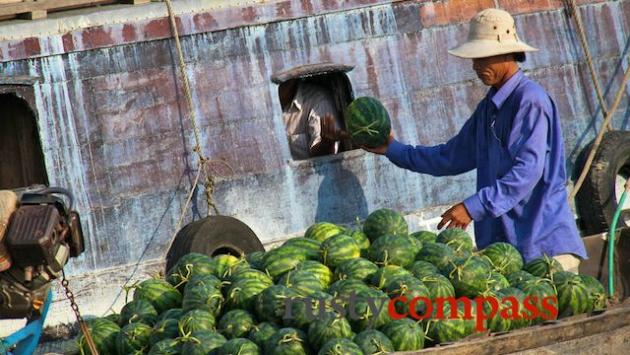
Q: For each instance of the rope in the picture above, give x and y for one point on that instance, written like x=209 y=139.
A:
x=600 y=135
x=589 y=59
x=209 y=178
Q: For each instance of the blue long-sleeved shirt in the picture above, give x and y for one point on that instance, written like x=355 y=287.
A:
x=514 y=141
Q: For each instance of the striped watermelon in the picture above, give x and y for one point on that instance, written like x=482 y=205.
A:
x=239 y=346
x=437 y=254
x=114 y=317
x=340 y=346
x=302 y=281
x=596 y=292
x=197 y=319
x=497 y=323
x=167 y=328
x=139 y=310
x=496 y=281
x=242 y=294
x=372 y=341
x=421 y=269
x=322 y=231
x=344 y=288
x=166 y=347
x=104 y=333
x=159 y=293
x=517 y=321
x=280 y=260
x=174 y=313
x=366 y=316
x=270 y=304
x=362 y=240
x=539 y=288
x=359 y=269
x=544 y=267
x=410 y=287
x=438 y=286
x=209 y=281
x=188 y=266
x=469 y=276
x=251 y=274
x=203 y=342
x=338 y=249
x=517 y=277
x=367 y=122
x=321 y=271
x=133 y=338
x=287 y=341
x=235 y=324
x=255 y=259
x=573 y=295
x=262 y=332
x=203 y=297
x=392 y=250
x=384 y=222
x=451 y=326
x=505 y=258
x=385 y=274
x=405 y=334
x=424 y=236
x=326 y=328
x=310 y=247
x=458 y=239
x=305 y=309
x=227 y=264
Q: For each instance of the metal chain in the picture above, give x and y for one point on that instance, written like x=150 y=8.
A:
x=75 y=308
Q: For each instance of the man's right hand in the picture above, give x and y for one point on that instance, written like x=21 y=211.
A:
x=380 y=149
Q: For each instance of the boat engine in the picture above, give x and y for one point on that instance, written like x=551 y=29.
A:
x=39 y=233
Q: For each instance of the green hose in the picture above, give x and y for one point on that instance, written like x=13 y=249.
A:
x=611 y=242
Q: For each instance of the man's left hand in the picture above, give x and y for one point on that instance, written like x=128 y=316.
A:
x=455 y=217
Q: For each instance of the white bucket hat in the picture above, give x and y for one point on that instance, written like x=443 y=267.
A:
x=492 y=32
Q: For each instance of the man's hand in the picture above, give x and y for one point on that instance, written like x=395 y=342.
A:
x=330 y=131
x=380 y=149
x=455 y=217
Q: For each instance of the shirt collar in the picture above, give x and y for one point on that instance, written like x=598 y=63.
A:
x=498 y=97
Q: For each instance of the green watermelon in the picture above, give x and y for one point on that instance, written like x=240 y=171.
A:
x=159 y=293
x=321 y=271
x=326 y=328
x=255 y=259
x=366 y=316
x=541 y=289
x=302 y=281
x=392 y=250
x=469 y=276
x=202 y=342
x=242 y=294
x=174 y=313
x=133 y=338
x=438 y=254
x=251 y=274
x=386 y=274
x=596 y=291
x=361 y=239
x=505 y=258
x=322 y=231
x=166 y=347
x=197 y=319
x=450 y=326
x=282 y=259
x=114 y=317
x=340 y=346
x=497 y=323
x=209 y=281
x=310 y=247
x=367 y=122
x=384 y=222
x=270 y=304
x=409 y=287
x=424 y=236
x=359 y=269
x=405 y=334
x=515 y=311
x=305 y=309
x=104 y=333
x=139 y=310
x=544 y=267
x=262 y=332
x=239 y=346
x=421 y=269
x=338 y=249
x=235 y=324
x=573 y=295
x=438 y=286
x=203 y=297
x=342 y=289
x=517 y=277
x=372 y=341
x=496 y=281
x=287 y=341
x=190 y=265
x=167 y=328
x=227 y=264
x=458 y=239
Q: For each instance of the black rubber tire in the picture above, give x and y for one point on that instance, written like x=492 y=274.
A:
x=596 y=201
x=211 y=236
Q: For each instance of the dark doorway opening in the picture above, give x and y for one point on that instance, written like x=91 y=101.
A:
x=21 y=156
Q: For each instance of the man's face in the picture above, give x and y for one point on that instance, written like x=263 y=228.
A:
x=491 y=70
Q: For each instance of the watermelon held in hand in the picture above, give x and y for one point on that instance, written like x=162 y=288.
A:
x=340 y=346
x=104 y=333
x=367 y=122
x=505 y=258
x=405 y=334
x=384 y=222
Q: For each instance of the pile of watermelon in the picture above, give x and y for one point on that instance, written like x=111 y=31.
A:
x=231 y=305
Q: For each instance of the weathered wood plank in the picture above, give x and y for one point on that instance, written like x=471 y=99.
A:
x=36 y=7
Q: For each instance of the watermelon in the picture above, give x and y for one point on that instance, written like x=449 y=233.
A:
x=384 y=222
x=409 y=287
x=305 y=309
x=209 y=281
x=452 y=325
x=544 y=267
x=287 y=341
x=392 y=250
x=167 y=328
x=262 y=332
x=114 y=317
x=372 y=341
x=361 y=239
x=497 y=323
x=202 y=342
x=326 y=328
x=367 y=122
x=363 y=315
x=302 y=281
x=517 y=277
x=458 y=239
x=242 y=294
x=596 y=292
x=340 y=346
x=469 y=276
x=251 y=274
x=438 y=286
x=159 y=293
x=421 y=269
x=386 y=274
x=541 y=289
x=203 y=297
x=343 y=289
x=255 y=259
x=133 y=338
x=437 y=254
x=190 y=265
x=505 y=258
x=166 y=347
x=270 y=304
x=139 y=310
x=405 y=334
x=310 y=247
x=359 y=269
x=104 y=333
x=424 y=236
x=322 y=231
x=174 y=313
x=239 y=346
x=321 y=271
x=573 y=295
x=196 y=319
x=282 y=259
x=227 y=264
x=515 y=312
x=235 y=324
x=496 y=281
x=338 y=249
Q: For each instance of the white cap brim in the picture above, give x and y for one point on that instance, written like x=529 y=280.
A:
x=487 y=48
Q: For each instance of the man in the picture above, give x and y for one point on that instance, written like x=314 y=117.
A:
x=308 y=111
x=514 y=141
